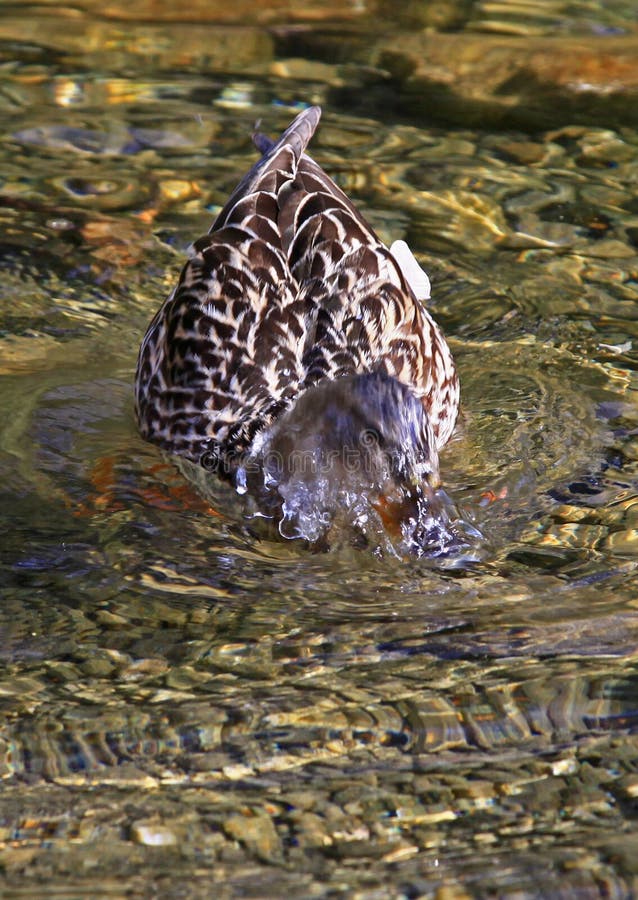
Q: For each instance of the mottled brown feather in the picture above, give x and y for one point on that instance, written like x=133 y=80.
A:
x=290 y=286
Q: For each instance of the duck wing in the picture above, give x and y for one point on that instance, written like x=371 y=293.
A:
x=363 y=315
x=223 y=356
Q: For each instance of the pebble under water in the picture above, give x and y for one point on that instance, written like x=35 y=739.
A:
x=192 y=701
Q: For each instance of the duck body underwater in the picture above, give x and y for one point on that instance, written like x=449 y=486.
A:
x=296 y=359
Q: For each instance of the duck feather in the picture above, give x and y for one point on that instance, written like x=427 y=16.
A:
x=290 y=287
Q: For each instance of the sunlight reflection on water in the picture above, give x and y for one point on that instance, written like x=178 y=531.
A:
x=279 y=719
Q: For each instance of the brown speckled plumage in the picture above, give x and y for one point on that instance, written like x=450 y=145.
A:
x=290 y=287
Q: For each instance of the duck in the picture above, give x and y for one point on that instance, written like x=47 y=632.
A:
x=296 y=358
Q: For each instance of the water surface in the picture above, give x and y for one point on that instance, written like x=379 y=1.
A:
x=188 y=702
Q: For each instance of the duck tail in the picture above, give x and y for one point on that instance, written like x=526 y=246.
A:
x=262 y=142
x=297 y=136
x=281 y=155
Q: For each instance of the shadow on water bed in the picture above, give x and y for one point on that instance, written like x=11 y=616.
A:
x=189 y=701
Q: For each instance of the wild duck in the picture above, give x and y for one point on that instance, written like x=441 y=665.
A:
x=295 y=356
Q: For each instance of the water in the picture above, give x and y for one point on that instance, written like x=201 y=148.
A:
x=190 y=703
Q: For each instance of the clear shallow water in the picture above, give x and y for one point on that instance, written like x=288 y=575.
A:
x=188 y=702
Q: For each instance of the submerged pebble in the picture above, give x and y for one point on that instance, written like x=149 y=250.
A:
x=192 y=705
x=152 y=834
